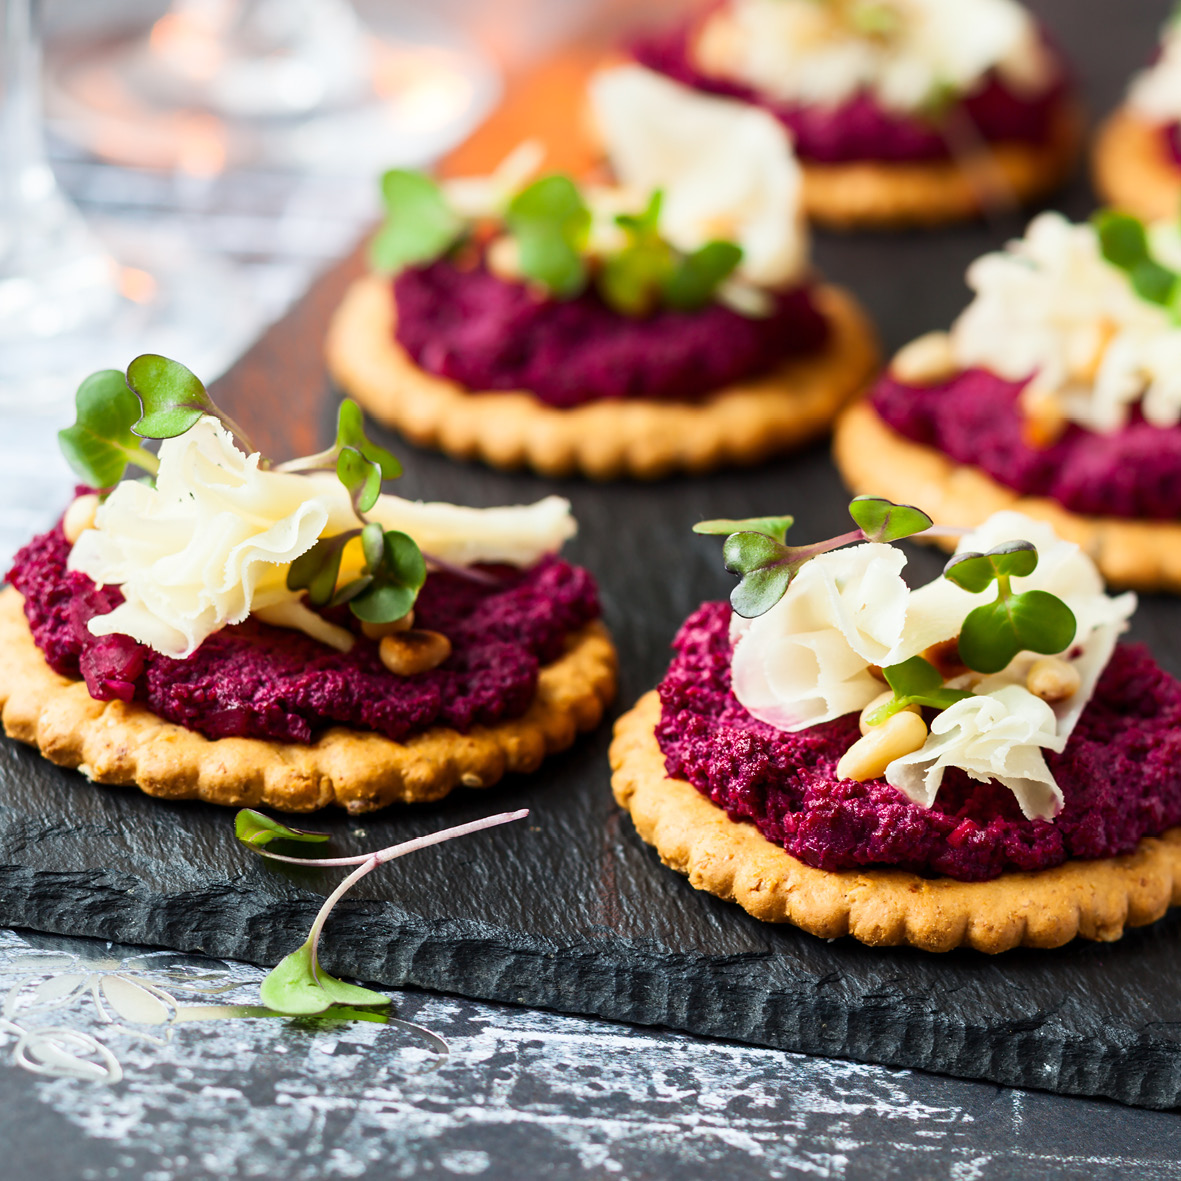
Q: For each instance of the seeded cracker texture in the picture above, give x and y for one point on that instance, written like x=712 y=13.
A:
x=881 y=907
x=742 y=423
x=876 y=460
x=117 y=742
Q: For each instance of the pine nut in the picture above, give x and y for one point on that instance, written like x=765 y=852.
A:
x=926 y=361
x=1052 y=680
x=945 y=656
x=375 y=631
x=880 y=700
x=79 y=516
x=414 y=651
x=869 y=757
x=1043 y=419
x=504 y=258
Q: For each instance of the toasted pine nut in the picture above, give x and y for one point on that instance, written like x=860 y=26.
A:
x=881 y=699
x=1052 y=679
x=927 y=360
x=869 y=757
x=1043 y=419
x=945 y=656
x=504 y=258
x=1088 y=370
x=79 y=516
x=414 y=651
x=375 y=631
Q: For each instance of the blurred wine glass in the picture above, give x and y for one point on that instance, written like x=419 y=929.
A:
x=303 y=85
x=54 y=275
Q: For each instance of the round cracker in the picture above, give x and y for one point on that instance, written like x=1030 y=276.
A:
x=874 y=459
x=881 y=907
x=119 y=743
x=607 y=439
x=876 y=194
x=1133 y=169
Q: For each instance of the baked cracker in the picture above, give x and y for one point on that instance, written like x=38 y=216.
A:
x=881 y=907
x=126 y=744
x=1133 y=169
x=741 y=424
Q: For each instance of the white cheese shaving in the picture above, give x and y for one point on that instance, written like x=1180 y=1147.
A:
x=726 y=168
x=1051 y=309
x=211 y=542
x=823 y=54
x=1155 y=93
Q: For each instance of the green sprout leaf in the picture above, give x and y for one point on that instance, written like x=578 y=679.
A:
x=693 y=281
x=397 y=577
x=1123 y=241
x=419 y=225
x=362 y=478
x=914 y=682
x=993 y=633
x=350 y=432
x=297 y=986
x=775 y=527
x=882 y=520
x=173 y=397
x=631 y=280
x=317 y=569
x=975 y=572
x=550 y=222
x=254 y=829
x=766 y=567
x=100 y=444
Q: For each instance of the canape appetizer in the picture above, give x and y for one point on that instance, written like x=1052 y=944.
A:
x=1136 y=160
x=972 y=762
x=667 y=321
x=240 y=632
x=1057 y=393
x=902 y=111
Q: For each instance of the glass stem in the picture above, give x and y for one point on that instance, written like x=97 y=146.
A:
x=24 y=170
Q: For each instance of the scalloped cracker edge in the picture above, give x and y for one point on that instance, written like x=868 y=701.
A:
x=874 y=459
x=1132 y=168
x=114 y=742
x=607 y=439
x=881 y=907
x=866 y=194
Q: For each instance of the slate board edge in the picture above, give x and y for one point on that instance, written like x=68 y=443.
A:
x=380 y=944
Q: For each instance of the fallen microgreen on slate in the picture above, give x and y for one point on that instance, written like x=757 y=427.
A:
x=298 y=985
x=1033 y=620
x=255 y=829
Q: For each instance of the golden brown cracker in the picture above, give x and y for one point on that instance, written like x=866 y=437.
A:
x=1133 y=169
x=881 y=907
x=742 y=424
x=874 y=459
x=875 y=194
x=118 y=743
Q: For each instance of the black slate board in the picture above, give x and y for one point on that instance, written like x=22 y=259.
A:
x=570 y=910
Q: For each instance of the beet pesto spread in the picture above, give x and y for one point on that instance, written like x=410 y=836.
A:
x=1120 y=775
x=974 y=418
x=257 y=681
x=469 y=326
x=861 y=129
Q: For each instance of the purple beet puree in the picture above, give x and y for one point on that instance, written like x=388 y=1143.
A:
x=257 y=681
x=860 y=129
x=975 y=419
x=488 y=334
x=1120 y=774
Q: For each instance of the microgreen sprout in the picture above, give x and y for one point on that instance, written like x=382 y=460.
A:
x=550 y=222
x=420 y=225
x=1123 y=239
x=766 y=566
x=914 y=682
x=256 y=829
x=1033 y=620
x=298 y=985
x=100 y=445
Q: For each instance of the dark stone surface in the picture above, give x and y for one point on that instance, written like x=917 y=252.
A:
x=570 y=910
